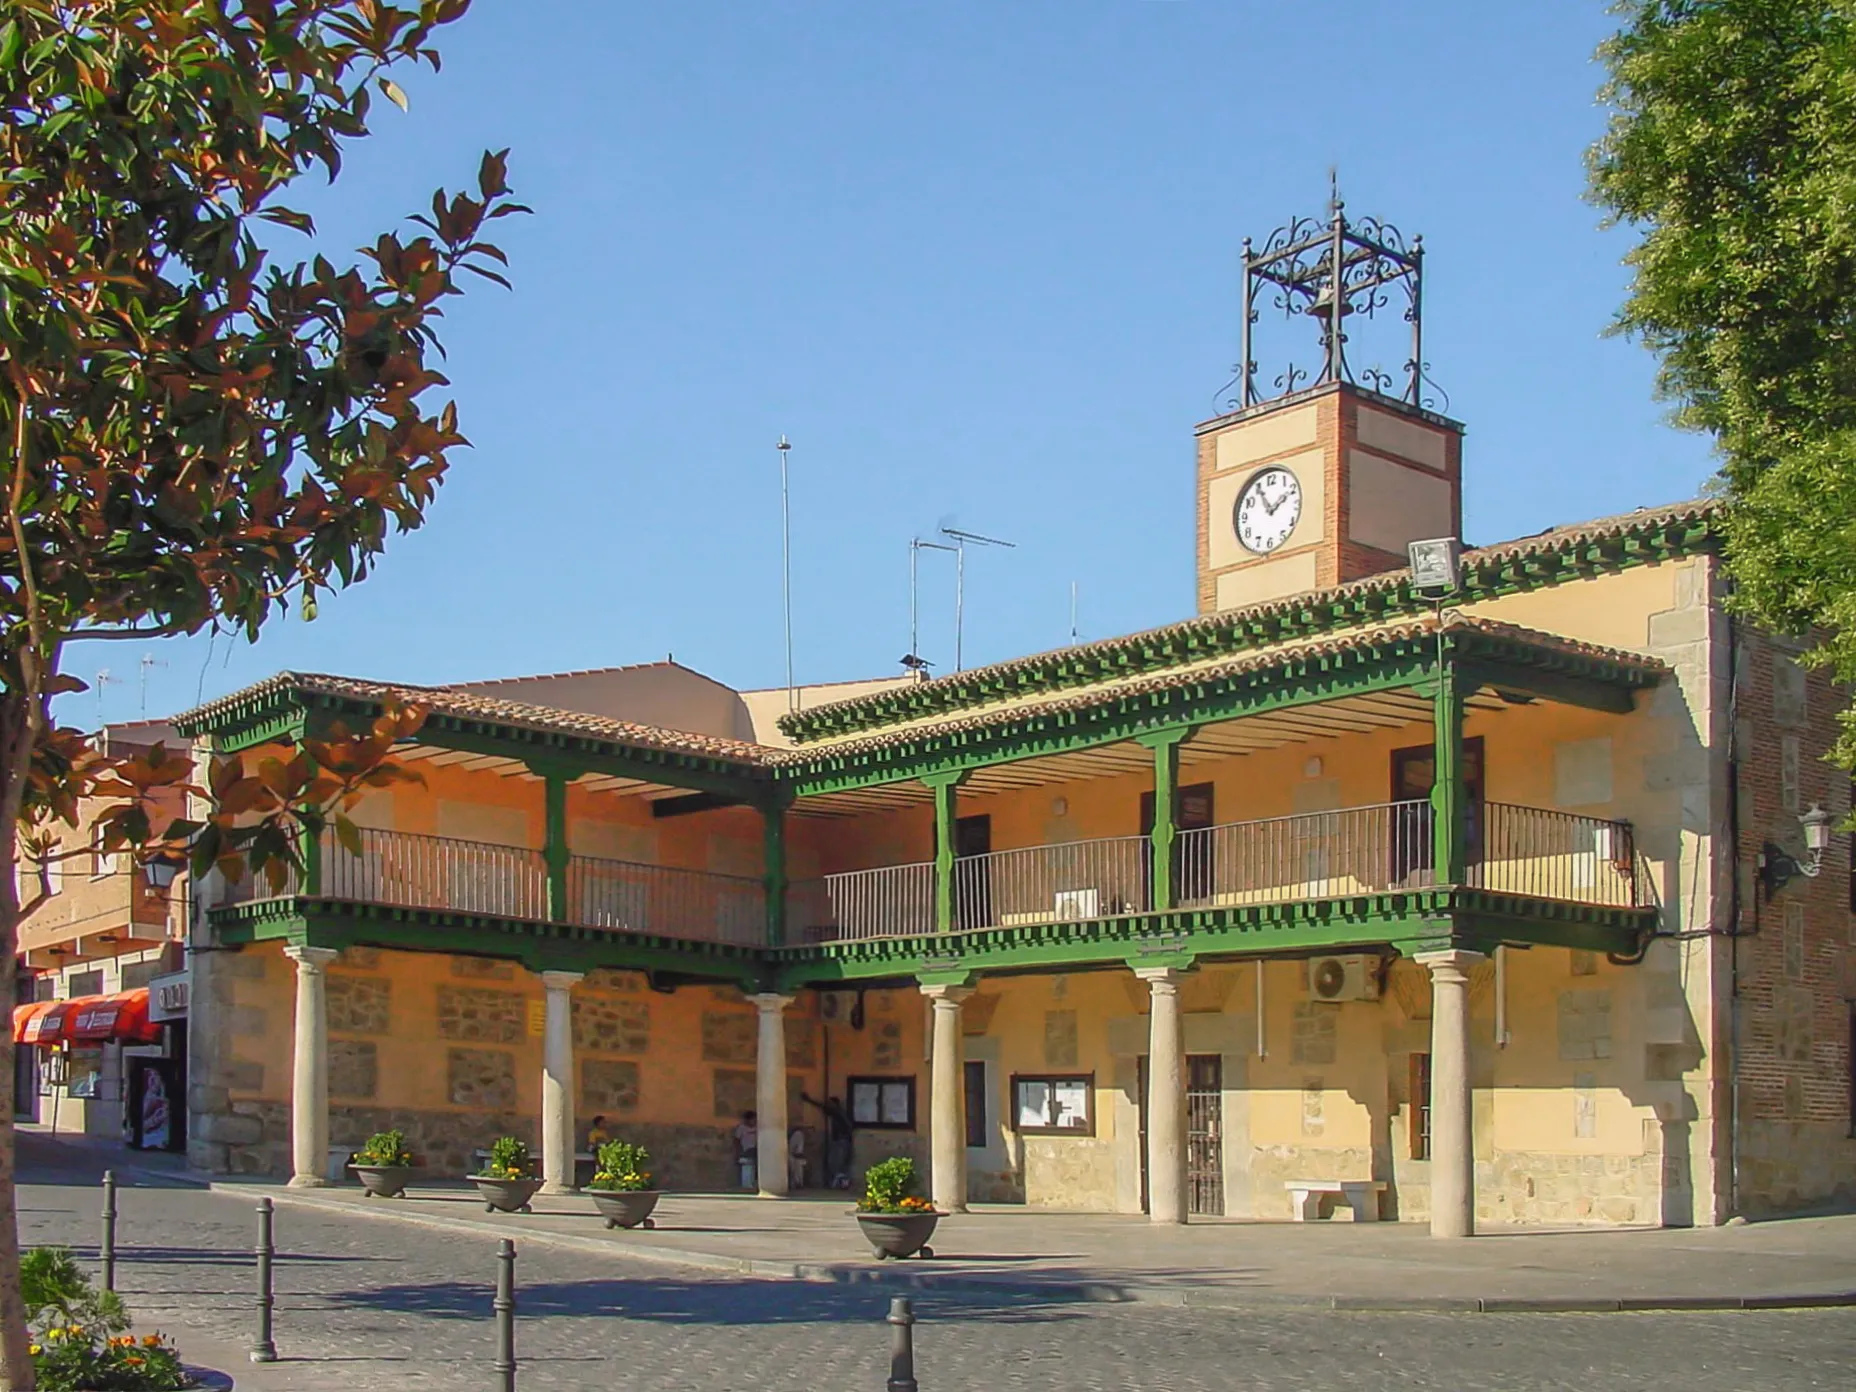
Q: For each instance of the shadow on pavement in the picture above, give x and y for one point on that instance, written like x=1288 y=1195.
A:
x=707 y=1302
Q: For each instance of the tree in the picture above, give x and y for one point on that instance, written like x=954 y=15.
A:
x=1732 y=144
x=197 y=434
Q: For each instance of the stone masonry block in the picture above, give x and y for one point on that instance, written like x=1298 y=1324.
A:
x=734 y=1092
x=1674 y=626
x=729 y=1036
x=606 y=1026
x=478 y=1016
x=354 y=1068
x=360 y=1004
x=483 y=1078
x=608 y=1086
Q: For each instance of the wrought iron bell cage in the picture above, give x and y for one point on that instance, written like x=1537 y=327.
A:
x=1327 y=273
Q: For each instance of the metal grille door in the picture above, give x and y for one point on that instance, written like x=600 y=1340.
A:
x=1205 y=1135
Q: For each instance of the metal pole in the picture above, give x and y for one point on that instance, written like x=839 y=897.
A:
x=786 y=572
x=504 y=1306
x=1414 y=392
x=107 y=1251
x=915 y=644
x=960 y=598
x=1244 y=396
x=902 y=1346
x=264 y=1348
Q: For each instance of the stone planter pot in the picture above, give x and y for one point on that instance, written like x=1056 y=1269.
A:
x=383 y=1181
x=626 y=1208
x=898 y=1234
x=505 y=1195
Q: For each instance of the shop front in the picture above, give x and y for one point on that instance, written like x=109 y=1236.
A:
x=107 y=1066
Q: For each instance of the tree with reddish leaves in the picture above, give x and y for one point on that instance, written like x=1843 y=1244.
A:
x=196 y=433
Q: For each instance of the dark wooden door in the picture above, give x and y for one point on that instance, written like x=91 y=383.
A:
x=972 y=872
x=1194 y=865
x=1414 y=770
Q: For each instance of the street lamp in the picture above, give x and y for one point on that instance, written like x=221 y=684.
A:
x=161 y=872
x=1778 y=867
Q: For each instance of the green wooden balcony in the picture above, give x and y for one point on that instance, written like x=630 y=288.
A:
x=1526 y=852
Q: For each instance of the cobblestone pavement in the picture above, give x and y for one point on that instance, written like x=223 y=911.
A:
x=366 y=1305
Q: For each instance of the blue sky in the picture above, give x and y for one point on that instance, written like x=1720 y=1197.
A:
x=978 y=260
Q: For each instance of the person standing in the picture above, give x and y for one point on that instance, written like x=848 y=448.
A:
x=747 y=1152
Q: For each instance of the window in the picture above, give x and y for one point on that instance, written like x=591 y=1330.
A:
x=86 y=983
x=1054 y=1105
x=1420 y=1123
x=879 y=1104
x=976 y=1106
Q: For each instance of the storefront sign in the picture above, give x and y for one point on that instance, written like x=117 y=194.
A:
x=167 y=996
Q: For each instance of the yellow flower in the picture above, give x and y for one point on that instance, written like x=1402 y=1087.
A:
x=34 y=1350
x=151 y=1341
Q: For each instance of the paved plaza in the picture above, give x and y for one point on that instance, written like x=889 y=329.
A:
x=370 y=1303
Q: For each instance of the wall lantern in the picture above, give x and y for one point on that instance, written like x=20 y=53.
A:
x=1778 y=867
x=161 y=872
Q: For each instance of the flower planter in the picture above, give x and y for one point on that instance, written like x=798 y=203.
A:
x=383 y=1181
x=505 y=1195
x=626 y=1208
x=898 y=1234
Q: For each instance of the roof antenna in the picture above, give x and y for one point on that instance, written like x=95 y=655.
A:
x=786 y=571
x=960 y=578
x=1072 y=613
x=915 y=662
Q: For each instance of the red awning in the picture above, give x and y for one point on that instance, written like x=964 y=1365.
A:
x=24 y=1016
x=121 y=1016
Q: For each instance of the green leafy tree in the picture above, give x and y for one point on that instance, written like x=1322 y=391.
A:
x=197 y=432
x=1732 y=146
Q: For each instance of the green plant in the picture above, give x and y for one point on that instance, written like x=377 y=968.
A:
x=386 y=1148
x=509 y=1159
x=78 y=1343
x=622 y=1167
x=892 y=1186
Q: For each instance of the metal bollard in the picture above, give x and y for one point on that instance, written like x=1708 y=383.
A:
x=902 y=1346
x=504 y=1306
x=107 y=1250
x=264 y=1348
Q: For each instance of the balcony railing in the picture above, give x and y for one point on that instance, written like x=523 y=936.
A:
x=475 y=877
x=890 y=902
x=673 y=903
x=1557 y=855
x=1529 y=851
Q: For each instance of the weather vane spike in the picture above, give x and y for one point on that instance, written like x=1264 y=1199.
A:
x=1334 y=203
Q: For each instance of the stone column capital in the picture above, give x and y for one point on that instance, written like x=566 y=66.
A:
x=311 y=960
x=1451 y=966
x=561 y=980
x=1161 y=981
x=770 y=1002
x=947 y=997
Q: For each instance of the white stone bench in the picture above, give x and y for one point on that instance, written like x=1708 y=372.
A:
x=1306 y=1197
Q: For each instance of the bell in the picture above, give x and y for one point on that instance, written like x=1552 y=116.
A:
x=1323 y=303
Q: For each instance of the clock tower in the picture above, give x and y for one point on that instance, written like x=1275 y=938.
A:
x=1329 y=479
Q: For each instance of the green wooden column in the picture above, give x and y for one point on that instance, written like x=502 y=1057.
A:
x=554 y=844
x=944 y=786
x=773 y=868
x=312 y=863
x=1164 y=835
x=1449 y=795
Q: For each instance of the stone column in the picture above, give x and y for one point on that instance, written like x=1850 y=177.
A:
x=309 y=1087
x=1166 y=1097
x=770 y=1094
x=557 y=1084
x=947 y=1110
x=1453 y=1152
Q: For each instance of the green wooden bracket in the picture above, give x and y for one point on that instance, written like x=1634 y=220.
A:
x=555 y=851
x=944 y=785
x=1164 y=834
x=773 y=866
x=1449 y=794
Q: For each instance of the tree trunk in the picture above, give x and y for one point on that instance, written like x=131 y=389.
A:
x=16 y=1370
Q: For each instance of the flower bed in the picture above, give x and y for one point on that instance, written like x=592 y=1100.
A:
x=80 y=1341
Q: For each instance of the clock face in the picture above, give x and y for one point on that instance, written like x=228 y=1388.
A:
x=1267 y=510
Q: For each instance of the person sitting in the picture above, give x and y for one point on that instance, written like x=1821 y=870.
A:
x=596 y=1134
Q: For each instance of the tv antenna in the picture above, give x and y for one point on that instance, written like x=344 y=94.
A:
x=915 y=662
x=961 y=539
x=1073 y=638
x=104 y=679
x=148 y=660
x=786 y=571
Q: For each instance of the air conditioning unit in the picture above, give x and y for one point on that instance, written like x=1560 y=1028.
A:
x=835 y=1007
x=1336 y=979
